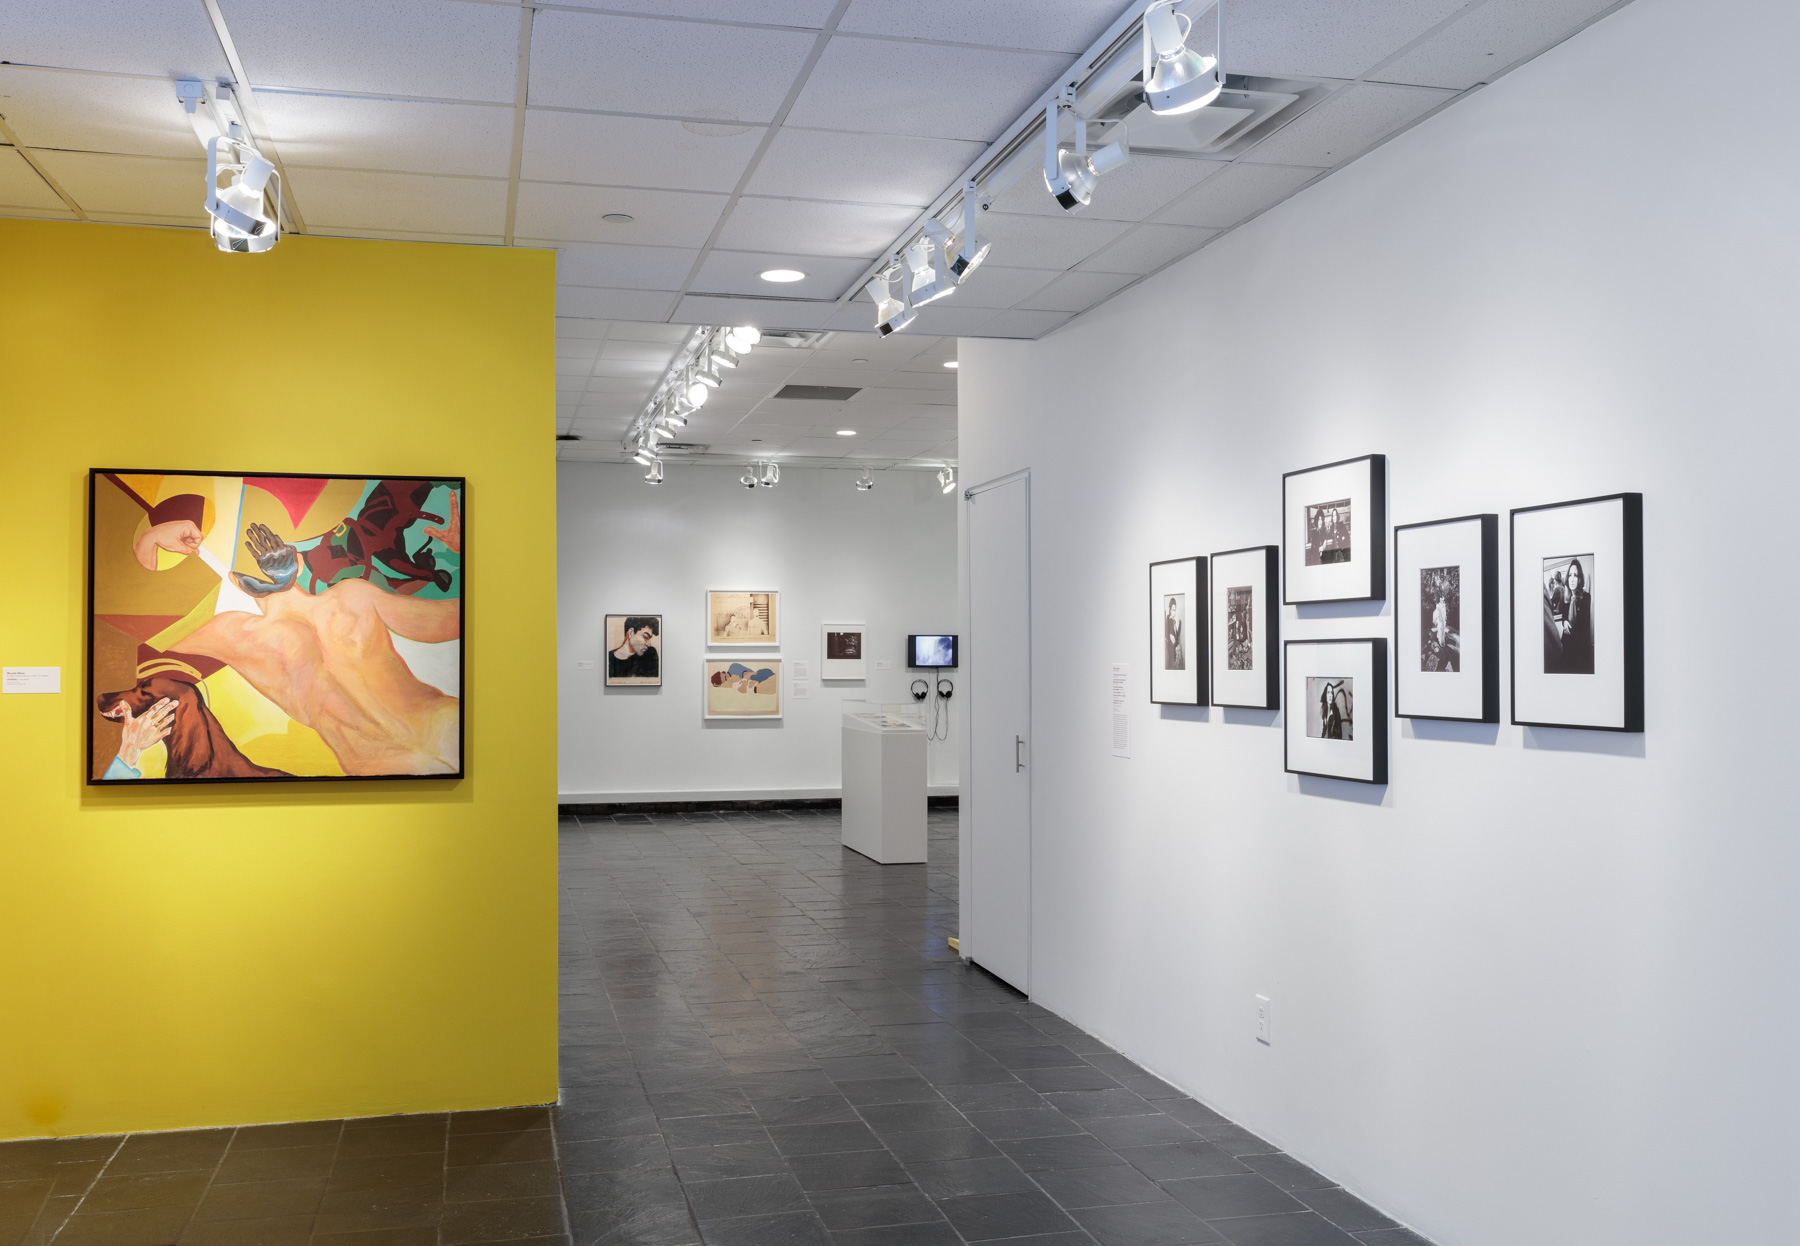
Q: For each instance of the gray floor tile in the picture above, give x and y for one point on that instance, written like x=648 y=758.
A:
x=1181 y=1159
x=986 y=1217
x=800 y=1228
x=884 y=1205
x=1345 y=1210
x=1166 y=1223
x=1099 y=1187
x=1212 y=1198
x=954 y=1178
x=1076 y=1151
x=1296 y=1229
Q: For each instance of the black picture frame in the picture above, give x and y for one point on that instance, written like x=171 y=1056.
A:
x=95 y=474
x=1377 y=533
x=1631 y=572
x=1379 y=728
x=1270 y=628
x=1198 y=614
x=1490 y=618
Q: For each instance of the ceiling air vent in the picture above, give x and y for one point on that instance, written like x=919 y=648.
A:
x=681 y=447
x=567 y=437
x=820 y=393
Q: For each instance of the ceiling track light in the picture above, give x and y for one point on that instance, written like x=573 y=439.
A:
x=1070 y=176
x=946 y=478
x=688 y=381
x=866 y=481
x=655 y=475
x=241 y=217
x=929 y=259
x=1177 y=80
x=893 y=302
x=972 y=248
x=771 y=475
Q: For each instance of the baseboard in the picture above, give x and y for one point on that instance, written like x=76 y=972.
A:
x=602 y=804
x=703 y=794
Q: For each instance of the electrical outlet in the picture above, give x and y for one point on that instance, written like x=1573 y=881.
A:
x=1262 y=1020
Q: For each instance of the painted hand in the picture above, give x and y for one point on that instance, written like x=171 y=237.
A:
x=451 y=533
x=146 y=732
x=279 y=561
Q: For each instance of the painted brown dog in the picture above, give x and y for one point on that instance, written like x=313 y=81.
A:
x=198 y=746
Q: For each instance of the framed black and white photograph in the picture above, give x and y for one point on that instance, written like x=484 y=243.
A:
x=842 y=650
x=1334 y=531
x=1337 y=709
x=1246 y=628
x=1178 y=632
x=1447 y=619
x=1578 y=614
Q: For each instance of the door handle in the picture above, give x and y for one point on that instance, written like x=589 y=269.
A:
x=1018 y=753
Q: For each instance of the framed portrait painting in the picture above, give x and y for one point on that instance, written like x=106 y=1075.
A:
x=1178 y=632
x=634 y=650
x=1447 y=619
x=1246 y=626
x=1578 y=614
x=256 y=627
x=742 y=687
x=1334 y=531
x=842 y=646
x=1337 y=710
x=738 y=617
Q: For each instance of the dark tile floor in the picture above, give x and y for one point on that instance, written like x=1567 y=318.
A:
x=768 y=1043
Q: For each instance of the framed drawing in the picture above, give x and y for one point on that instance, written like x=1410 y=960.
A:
x=634 y=650
x=742 y=618
x=1337 y=711
x=842 y=645
x=255 y=627
x=1246 y=626
x=1578 y=614
x=1447 y=619
x=1334 y=531
x=742 y=689
x=1178 y=632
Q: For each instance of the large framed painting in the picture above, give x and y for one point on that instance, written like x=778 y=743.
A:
x=1337 y=709
x=742 y=687
x=1246 y=628
x=1578 y=614
x=634 y=654
x=1447 y=619
x=1178 y=632
x=737 y=617
x=274 y=626
x=842 y=646
x=1334 y=531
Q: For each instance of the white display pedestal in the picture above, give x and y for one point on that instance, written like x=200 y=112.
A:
x=884 y=786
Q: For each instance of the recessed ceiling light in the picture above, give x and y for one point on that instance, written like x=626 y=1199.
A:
x=846 y=432
x=784 y=274
x=617 y=218
x=950 y=363
x=859 y=361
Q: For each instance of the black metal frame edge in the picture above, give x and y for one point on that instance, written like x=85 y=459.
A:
x=462 y=651
x=1490 y=618
x=1272 y=621
x=1202 y=681
x=606 y=675
x=1378 y=671
x=1377 y=522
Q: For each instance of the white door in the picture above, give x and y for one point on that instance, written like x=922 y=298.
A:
x=999 y=681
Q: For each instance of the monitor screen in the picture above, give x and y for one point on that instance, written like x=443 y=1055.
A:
x=936 y=651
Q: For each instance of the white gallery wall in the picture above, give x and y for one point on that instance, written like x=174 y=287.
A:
x=886 y=558
x=1542 y=987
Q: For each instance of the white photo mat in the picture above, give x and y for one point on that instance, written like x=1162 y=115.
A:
x=1448 y=557
x=715 y=638
x=1362 y=484
x=732 y=705
x=1178 y=631
x=1352 y=676
x=843 y=668
x=1244 y=597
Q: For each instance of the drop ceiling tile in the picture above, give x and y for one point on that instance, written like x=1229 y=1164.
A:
x=406 y=235
x=631 y=151
x=820 y=447
x=577 y=348
x=595 y=330
x=1027 y=324
x=659 y=217
x=630 y=369
x=357 y=200
x=1046 y=241
x=1147 y=249
x=625 y=268
x=21 y=187
x=1067 y=26
x=568 y=366
x=764 y=314
x=348 y=132
x=672 y=334
x=659 y=353
x=737 y=272
x=1324 y=38
x=1074 y=292
x=614 y=390
x=171 y=38
x=1132 y=192
x=640 y=65
x=1238 y=192
x=395 y=47
x=130 y=185
x=948 y=321
x=1487 y=40
x=613 y=304
x=863 y=168
x=922 y=89
x=811 y=227
x=1346 y=124
x=772 y=12
x=92 y=112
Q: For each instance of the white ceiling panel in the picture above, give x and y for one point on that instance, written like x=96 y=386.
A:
x=1346 y=124
x=1132 y=192
x=163 y=37
x=699 y=309
x=772 y=12
x=637 y=352
x=21 y=187
x=382 y=47
x=1147 y=248
x=737 y=272
x=922 y=89
x=401 y=235
x=625 y=268
x=131 y=184
x=1046 y=241
x=638 y=65
x=1477 y=46
x=1324 y=38
x=1238 y=192
x=90 y=112
x=667 y=218
x=631 y=151
x=451 y=205
x=948 y=320
x=1066 y=26
x=994 y=286
x=862 y=168
x=1073 y=292
x=1031 y=324
x=811 y=227
x=351 y=132
x=672 y=334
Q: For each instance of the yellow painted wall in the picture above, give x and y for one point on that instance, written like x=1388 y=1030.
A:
x=229 y=954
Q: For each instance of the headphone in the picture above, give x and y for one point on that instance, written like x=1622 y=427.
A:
x=920 y=689
x=944 y=688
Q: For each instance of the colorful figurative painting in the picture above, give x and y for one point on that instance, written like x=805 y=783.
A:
x=743 y=688
x=274 y=627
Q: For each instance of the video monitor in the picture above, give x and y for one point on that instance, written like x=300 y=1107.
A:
x=932 y=651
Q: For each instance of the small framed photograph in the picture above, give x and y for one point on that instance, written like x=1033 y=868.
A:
x=739 y=617
x=748 y=687
x=843 y=646
x=634 y=650
x=1578 y=614
x=1334 y=531
x=1246 y=628
x=1337 y=709
x=1447 y=619
x=1178 y=632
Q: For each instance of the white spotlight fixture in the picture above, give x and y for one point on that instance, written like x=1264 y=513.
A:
x=644 y=454
x=866 y=481
x=742 y=338
x=695 y=391
x=654 y=476
x=771 y=475
x=1177 y=80
x=240 y=220
x=929 y=259
x=1071 y=175
x=748 y=479
x=946 y=478
x=973 y=248
x=783 y=275
x=893 y=311
x=707 y=376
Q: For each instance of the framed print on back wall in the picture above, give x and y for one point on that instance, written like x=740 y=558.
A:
x=1334 y=531
x=1246 y=628
x=1178 y=632
x=1447 y=619
x=634 y=650
x=743 y=617
x=1337 y=712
